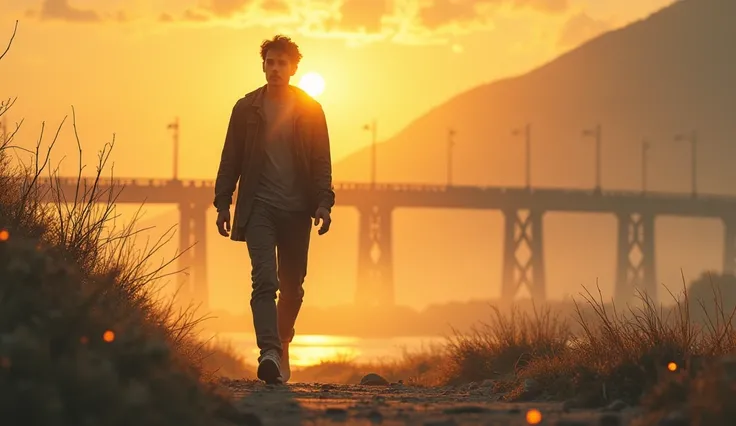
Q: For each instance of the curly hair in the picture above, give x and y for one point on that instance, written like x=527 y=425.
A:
x=284 y=44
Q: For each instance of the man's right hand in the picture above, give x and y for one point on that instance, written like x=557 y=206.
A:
x=223 y=222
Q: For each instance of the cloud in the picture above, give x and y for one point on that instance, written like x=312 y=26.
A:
x=363 y=15
x=226 y=8
x=62 y=10
x=435 y=14
x=355 y=21
x=581 y=28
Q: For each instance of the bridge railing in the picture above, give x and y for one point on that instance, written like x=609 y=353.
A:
x=403 y=187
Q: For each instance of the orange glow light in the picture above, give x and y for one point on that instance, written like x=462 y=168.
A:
x=533 y=416
x=4 y=235
x=84 y=340
x=108 y=336
x=672 y=366
x=5 y=362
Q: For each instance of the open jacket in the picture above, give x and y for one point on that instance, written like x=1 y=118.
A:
x=243 y=156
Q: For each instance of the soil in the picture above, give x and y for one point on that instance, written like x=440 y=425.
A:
x=396 y=404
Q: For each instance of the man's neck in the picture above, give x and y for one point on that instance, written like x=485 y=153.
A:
x=277 y=92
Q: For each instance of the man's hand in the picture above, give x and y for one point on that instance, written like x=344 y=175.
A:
x=322 y=214
x=223 y=222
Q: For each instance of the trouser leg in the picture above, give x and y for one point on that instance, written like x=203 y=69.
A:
x=260 y=236
x=293 y=246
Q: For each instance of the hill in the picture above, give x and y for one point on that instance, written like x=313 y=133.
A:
x=669 y=73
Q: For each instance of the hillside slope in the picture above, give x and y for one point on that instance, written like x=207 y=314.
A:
x=671 y=72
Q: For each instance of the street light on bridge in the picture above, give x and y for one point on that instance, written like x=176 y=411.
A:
x=645 y=146
x=527 y=137
x=450 y=144
x=175 y=127
x=596 y=132
x=373 y=129
x=691 y=137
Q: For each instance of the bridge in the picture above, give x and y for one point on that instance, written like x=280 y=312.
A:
x=523 y=210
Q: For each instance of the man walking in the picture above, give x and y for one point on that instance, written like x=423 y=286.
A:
x=277 y=151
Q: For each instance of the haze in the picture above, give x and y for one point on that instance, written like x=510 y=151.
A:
x=131 y=67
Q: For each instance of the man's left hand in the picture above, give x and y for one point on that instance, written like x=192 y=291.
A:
x=323 y=215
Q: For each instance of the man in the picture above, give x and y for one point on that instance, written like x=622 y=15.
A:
x=277 y=150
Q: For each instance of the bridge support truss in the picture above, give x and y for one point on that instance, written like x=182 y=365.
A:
x=635 y=266
x=523 y=255
x=375 y=261
x=193 y=259
x=729 y=245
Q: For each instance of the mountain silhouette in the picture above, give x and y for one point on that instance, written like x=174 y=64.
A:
x=673 y=72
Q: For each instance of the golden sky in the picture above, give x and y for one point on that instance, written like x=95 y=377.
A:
x=130 y=66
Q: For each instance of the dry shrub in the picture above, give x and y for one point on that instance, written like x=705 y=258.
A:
x=623 y=355
x=83 y=338
x=504 y=345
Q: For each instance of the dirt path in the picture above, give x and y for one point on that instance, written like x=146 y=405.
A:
x=394 y=405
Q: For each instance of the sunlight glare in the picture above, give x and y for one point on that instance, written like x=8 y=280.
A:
x=312 y=83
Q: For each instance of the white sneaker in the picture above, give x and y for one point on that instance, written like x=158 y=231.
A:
x=285 y=367
x=268 y=368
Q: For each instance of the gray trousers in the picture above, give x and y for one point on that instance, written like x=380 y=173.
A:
x=278 y=242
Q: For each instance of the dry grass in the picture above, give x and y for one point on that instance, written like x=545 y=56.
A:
x=83 y=337
x=610 y=356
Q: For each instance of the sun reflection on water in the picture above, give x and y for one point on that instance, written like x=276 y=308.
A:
x=312 y=349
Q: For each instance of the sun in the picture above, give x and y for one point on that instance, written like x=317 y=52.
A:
x=312 y=83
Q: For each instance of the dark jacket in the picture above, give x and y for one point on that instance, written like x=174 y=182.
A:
x=243 y=156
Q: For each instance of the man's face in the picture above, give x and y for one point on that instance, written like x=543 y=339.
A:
x=278 y=68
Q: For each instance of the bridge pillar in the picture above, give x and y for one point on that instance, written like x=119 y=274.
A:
x=729 y=245
x=193 y=239
x=635 y=257
x=523 y=233
x=375 y=284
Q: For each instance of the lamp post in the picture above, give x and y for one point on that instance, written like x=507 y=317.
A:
x=596 y=132
x=645 y=146
x=528 y=142
x=175 y=127
x=373 y=129
x=692 y=137
x=450 y=144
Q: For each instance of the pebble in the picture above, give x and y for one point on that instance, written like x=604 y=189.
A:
x=373 y=379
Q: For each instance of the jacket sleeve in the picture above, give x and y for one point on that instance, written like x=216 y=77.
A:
x=231 y=161
x=321 y=161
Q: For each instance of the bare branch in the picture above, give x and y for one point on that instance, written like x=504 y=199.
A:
x=11 y=40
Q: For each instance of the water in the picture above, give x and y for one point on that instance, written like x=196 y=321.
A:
x=308 y=350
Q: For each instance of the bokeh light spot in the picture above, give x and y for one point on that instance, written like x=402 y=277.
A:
x=533 y=416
